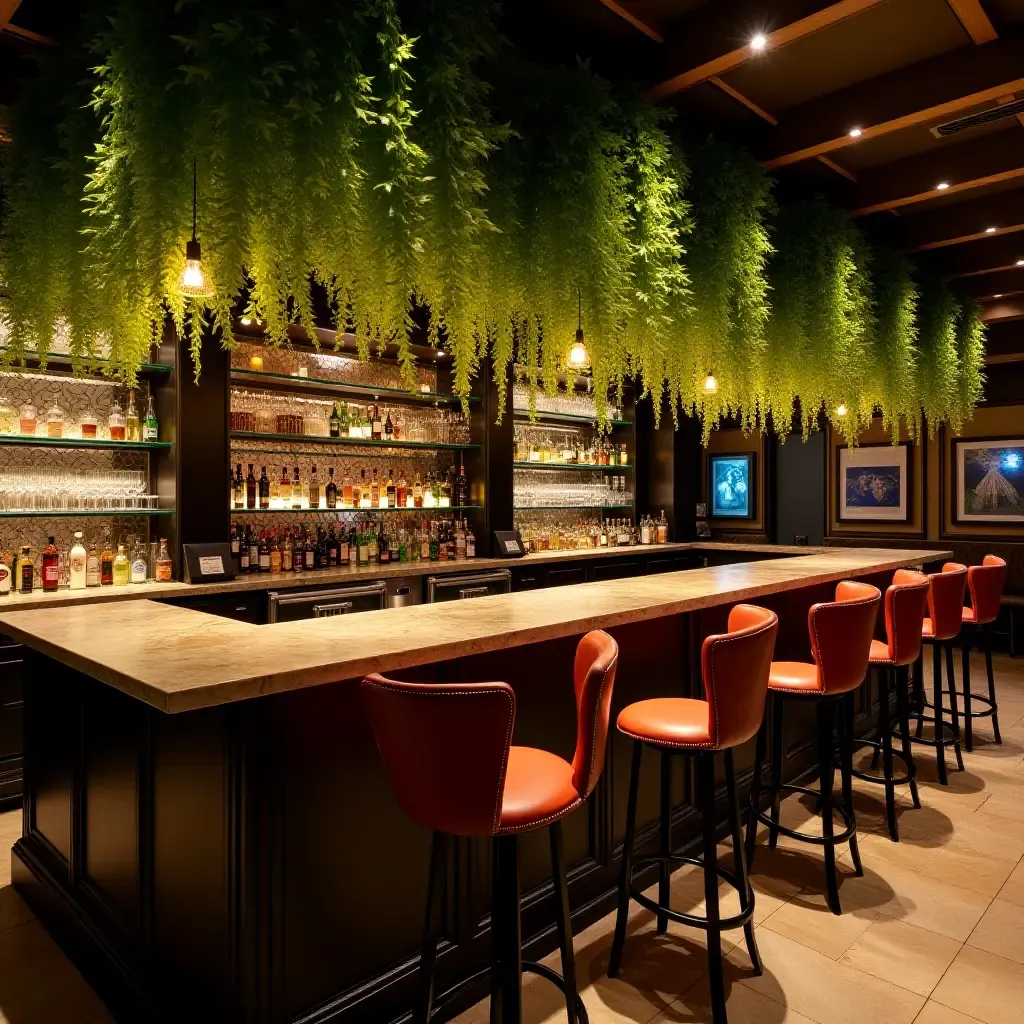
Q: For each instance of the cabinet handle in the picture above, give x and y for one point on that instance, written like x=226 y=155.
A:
x=323 y=611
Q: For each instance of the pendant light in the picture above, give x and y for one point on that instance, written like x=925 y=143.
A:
x=841 y=410
x=710 y=383
x=193 y=283
x=578 y=355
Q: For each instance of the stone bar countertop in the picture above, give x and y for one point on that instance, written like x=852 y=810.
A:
x=177 y=659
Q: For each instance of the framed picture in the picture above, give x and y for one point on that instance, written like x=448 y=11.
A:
x=731 y=493
x=874 y=483
x=988 y=484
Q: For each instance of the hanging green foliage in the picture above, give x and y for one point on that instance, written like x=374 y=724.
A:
x=970 y=349
x=890 y=377
x=726 y=258
x=938 y=389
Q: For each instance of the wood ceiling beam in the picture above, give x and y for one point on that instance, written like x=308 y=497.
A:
x=1002 y=285
x=7 y=9
x=716 y=38
x=624 y=12
x=975 y=21
x=970 y=165
x=1000 y=313
x=26 y=33
x=932 y=89
x=964 y=222
x=986 y=256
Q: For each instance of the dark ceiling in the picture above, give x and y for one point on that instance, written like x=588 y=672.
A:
x=894 y=69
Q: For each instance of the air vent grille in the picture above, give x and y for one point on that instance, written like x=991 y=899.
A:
x=961 y=124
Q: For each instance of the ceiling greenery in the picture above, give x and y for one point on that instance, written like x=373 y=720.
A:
x=397 y=155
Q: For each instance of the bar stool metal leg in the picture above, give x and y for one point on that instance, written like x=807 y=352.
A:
x=986 y=637
x=706 y=788
x=939 y=708
x=965 y=671
x=886 y=730
x=903 y=716
x=755 y=791
x=432 y=927
x=826 y=780
x=847 y=712
x=564 y=923
x=626 y=873
x=954 y=706
x=508 y=941
x=778 y=753
x=740 y=861
x=666 y=838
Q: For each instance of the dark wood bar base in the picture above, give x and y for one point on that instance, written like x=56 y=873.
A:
x=247 y=862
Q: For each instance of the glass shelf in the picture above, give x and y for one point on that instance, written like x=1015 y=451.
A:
x=349 y=511
x=326 y=386
x=568 y=465
x=74 y=513
x=78 y=442
x=63 y=359
x=304 y=441
x=566 y=417
x=544 y=508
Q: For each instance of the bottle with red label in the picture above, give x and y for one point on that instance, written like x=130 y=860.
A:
x=51 y=566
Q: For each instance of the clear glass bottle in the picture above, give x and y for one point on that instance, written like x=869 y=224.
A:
x=88 y=425
x=132 y=426
x=28 y=419
x=139 y=563
x=77 y=564
x=92 y=566
x=115 y=423
x=122 y=567
x=164 y=567
x=55 y=421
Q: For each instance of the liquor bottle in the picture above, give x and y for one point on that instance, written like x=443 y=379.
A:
x=335 y=422
x=662 y=529
x=138 y=569
x=320 y=560
x=150 y=425
x=77 y=564
x=309 y=553
x=238 y=489
x=425 y=543
x=344 y=549
x=331 y=490
x=375 y=491
x=314 y=489
x=383 y=547
x=362 y=547
x=445 y=499
x=250 y=489
x=376 y=427
x=106 y=562
x=343 y=420
x=402 y=491
x=389 y=428
x=371 y=543
x=462 y=485
x=164 y=567
x=5 y=578
x=296 y=490
x=460 y=541
x=50 y=568
x=417 y=492
x=243 y=549
x=286 y=553
x=264 y=552
x=391 y=493
x=26 y=571
x=254 y=551
x=355 y=428
x=115 y=423
x=122 y=567
x=361 y=492
x=264 y=484
x=435 y=542
x=284 y=488
x=332 y=547
x=92 y=566
x=347 y=497
x=393 y=554
x=275 y=490
x=470 y=543
x=604 y=536
x=298 y=553
x=132 y=430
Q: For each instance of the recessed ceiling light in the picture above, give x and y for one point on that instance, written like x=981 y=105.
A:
x=854 y=133
x=942 y=185
x=999 y=295
x=759 y=42
x=440 y=352
x=246 y=320
x=1020 y=263
x=990 y=231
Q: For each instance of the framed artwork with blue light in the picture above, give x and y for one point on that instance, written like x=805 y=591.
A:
x=989 y=481
x=731 y=493
x=874 y=483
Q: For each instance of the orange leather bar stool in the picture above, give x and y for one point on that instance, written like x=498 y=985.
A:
x=841 y=632
x=735 y=674
x=985 y=584
x=447 y=750
x=906 y=602
x=945 y=613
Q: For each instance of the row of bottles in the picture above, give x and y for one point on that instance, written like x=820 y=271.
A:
x=381 y=490
x=568 y=449
x=583 y=534
x=97 y=565
x=364 y=543
x=123 y=422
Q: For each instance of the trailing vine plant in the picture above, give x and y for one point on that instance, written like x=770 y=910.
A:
x=938 y=389
x=970 y=349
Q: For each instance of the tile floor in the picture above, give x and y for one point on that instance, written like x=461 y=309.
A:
x=932 y=934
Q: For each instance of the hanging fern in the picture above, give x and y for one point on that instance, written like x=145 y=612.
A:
x=726 y=259
x=970 y=348
x=937 y=384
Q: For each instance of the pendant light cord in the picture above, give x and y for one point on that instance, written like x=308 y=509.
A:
x=579 y=299
x=195 y=198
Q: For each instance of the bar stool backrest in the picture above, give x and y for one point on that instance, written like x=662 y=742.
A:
x=445 y=749
x=946 y=600
x=841 y=634
x=597 y=657
x=735 y=668
x=906 y=604
x=986 y=582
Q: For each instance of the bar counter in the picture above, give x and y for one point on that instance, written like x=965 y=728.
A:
x=205 y=855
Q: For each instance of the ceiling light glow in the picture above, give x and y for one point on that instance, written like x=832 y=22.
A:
x=855 y=133
x=990 y=231
x=942 y=185
x=758 y=43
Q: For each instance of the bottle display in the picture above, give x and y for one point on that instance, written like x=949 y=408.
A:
x=122 y=567
x=26 y=571
x=78 y=564
x=164 y=566
x=150 y=425
x=51 y=568
x=132 y=424
x=55 y=418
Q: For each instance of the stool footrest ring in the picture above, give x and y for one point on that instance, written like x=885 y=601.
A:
x=693 y=920
x=942 y=726
x=804 y=837
x=896 y=780
x=990 y=705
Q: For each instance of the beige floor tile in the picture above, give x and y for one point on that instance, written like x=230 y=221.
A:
x=1013 y=888
x=913 y=958
x=806 y=919
x=743 y=1004
x=936 y=1013
x=983 y=985
x=825 y=990
x=1001 y=931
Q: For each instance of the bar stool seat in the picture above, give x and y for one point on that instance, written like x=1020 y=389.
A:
x=538 y=788
x=667 y=722
x=787 y=676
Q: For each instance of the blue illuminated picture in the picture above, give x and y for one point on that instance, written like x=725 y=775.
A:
x=990 y=476
x=874 y=483
x=731 y=484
